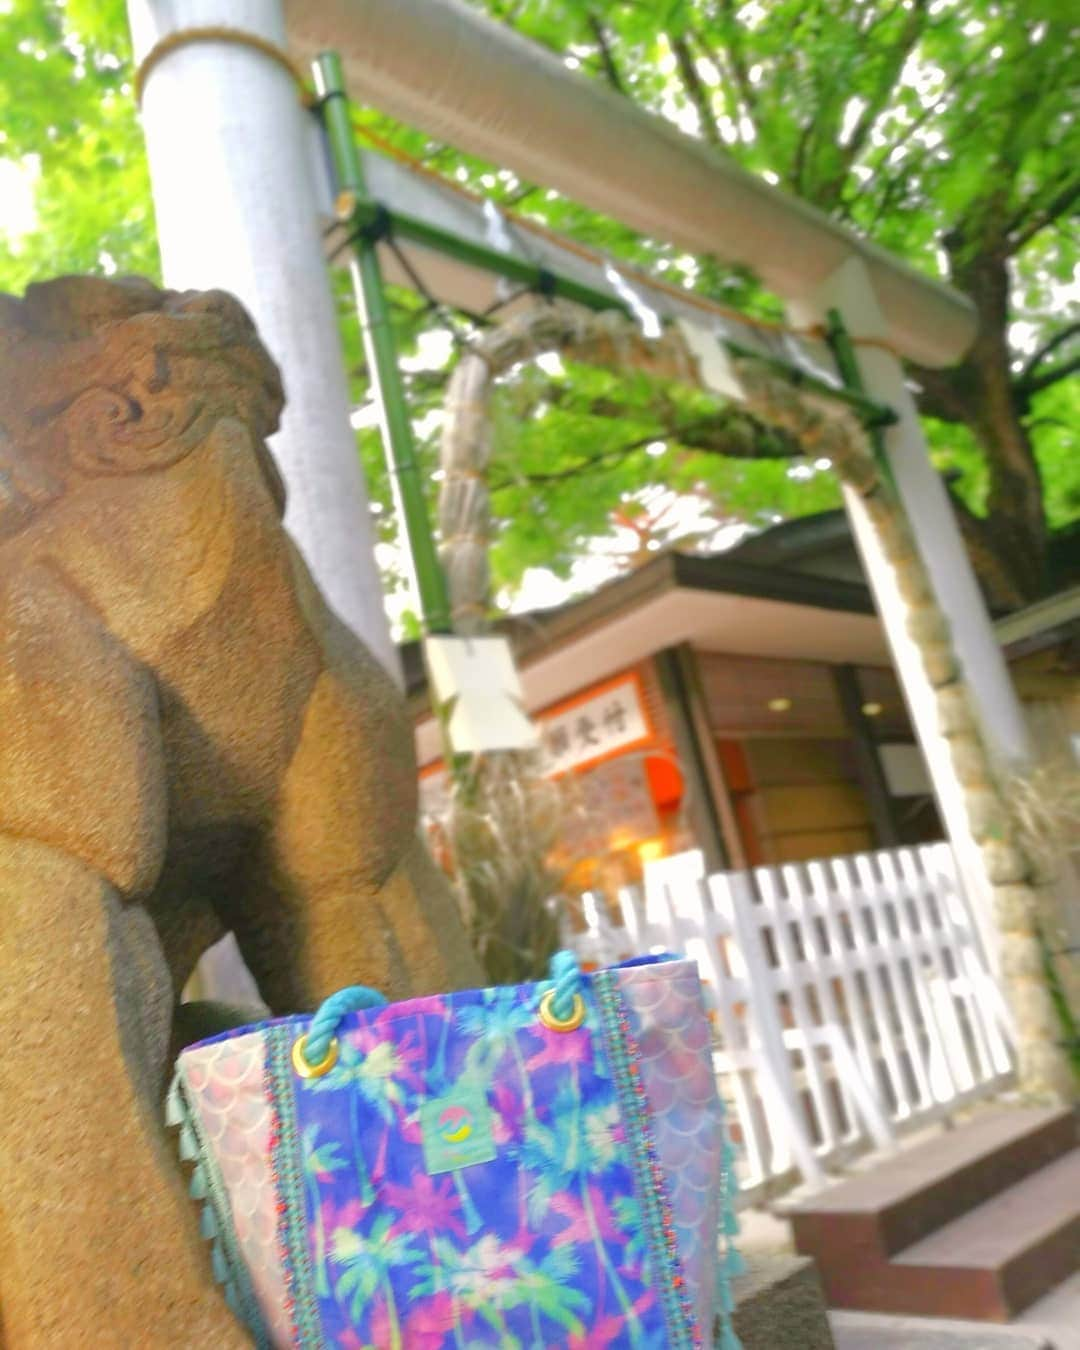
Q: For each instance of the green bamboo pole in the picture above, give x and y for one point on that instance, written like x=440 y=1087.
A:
x=381 y=350
x=529 y=275
x=843 y=350
x=872 y=415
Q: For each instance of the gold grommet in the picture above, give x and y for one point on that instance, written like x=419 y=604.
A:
x=553 y=1023
x=306 y=1070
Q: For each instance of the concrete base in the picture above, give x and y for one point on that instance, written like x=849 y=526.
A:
x=779 y=1303
x=871 y=1331
x=1057 y=1314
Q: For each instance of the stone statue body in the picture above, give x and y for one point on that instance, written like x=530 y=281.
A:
x=190 y=742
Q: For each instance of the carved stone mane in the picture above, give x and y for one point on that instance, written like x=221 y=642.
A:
x=74 y=402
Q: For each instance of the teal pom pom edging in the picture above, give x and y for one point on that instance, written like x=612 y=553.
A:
x=188 y=1144
x=197 y=1189
x=221 y=1269
x=731 y=1260
x=728 y=1340
x=215 y=1216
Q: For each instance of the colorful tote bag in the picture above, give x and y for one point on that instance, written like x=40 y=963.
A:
x=535 y=1166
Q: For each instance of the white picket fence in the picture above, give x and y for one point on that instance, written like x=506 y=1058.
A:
x=850 y=997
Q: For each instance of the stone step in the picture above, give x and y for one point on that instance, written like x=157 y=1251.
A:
x=1000 y=1257
x=988 y=1265
x=908 y=1196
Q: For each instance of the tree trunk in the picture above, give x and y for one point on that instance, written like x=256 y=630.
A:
x=981 y=393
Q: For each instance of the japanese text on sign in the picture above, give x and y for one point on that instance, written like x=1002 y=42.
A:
x=611 y=720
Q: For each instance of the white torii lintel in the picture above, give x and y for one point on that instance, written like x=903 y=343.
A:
x=463 y=78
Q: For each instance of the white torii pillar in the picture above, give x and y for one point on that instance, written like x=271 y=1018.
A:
x=850 y=292
x=230 y=162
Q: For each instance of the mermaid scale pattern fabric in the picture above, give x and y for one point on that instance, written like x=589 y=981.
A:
x=466 y=1177
x=227 y=1078
x=675 y=1050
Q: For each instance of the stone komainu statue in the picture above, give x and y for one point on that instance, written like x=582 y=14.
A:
x=190 y=742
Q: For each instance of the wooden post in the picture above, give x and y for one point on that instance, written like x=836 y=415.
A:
x=706 y=792
x=868 y=768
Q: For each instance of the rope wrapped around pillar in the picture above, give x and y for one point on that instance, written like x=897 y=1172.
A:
x=609 y=339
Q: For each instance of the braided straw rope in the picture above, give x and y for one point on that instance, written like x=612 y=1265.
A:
x=184 y=37
x=610 y=340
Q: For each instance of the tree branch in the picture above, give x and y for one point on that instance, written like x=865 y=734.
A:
x=737 y=62
x=928 y=111
x=695 y=90
x=797 y=177
x=942 y=394
x=1002 y=592
x=607 y=56
x=1057 y=206
x=893 y=190
x=905 y=168
x=822 y=162
x=1062 y=335
x=571 y=470
x=898 y=54
x=730 y=432
x=1037 y=383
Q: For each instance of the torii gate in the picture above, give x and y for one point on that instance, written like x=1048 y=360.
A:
x=235 y=187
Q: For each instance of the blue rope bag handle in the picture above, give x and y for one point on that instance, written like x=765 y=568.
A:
x=562 y=1008
x=565 y=974
x=325 y=1023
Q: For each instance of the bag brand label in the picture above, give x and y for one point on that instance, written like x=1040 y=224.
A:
x=456 y=1131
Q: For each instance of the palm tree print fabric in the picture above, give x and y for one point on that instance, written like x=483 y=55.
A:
x=465 y=1177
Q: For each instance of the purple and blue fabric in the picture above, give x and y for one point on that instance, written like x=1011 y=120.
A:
x=467 y=1174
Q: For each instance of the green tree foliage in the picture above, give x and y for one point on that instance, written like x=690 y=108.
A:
x=66 y=109
x=947 y=128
